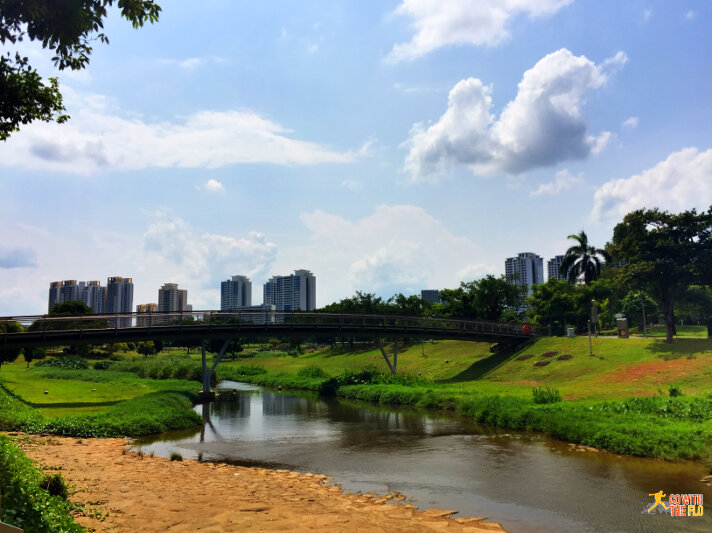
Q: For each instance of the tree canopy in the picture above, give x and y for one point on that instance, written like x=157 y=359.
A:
x=582 y=260
x=66 y=27
x=663 y=252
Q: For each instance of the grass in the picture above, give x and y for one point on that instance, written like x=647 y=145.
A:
x=81 y=391
x=26 y=501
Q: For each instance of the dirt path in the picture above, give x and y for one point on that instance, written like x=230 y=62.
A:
x=123 y=491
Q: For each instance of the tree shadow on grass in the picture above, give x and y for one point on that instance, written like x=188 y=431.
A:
x=73 y=405
x=479 y=369
x=688 y=348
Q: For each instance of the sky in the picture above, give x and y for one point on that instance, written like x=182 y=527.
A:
x=387 y=146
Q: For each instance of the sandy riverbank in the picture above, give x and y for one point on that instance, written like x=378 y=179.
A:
x=122 y=491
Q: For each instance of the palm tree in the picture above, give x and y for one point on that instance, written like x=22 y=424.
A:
x=582 y=259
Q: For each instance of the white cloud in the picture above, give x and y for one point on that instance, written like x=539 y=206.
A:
x=680 y=182
x=352 y=185
x=541 y=127
x=630 y=122
x=190 y=64
x=647 y=14
x=169 y=250
x=395 y=248
x=98 y=138
x=690 y=15
x=214 y=186
x=473 y=22
x=313 y=48
x=563 y=181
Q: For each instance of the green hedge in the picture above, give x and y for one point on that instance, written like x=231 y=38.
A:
x=24 y=503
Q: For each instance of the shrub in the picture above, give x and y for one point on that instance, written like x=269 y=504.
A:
x=25 y=503
x=71 y=363
x=55 y=485
x=312 y=372
x=102 y=365
x=674 y=391
x=545 y=395
x=175 y=456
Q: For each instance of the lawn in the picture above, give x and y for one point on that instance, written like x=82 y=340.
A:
x=85 y=391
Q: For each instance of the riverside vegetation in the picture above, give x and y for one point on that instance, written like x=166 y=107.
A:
x=635 y=396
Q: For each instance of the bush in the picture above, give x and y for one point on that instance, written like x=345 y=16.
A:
x=546 y=394
x=71 y=363
x=175 y=456
x=55 y=485
x=312 y=372
x=674 y=391
x=102 y=365
x=25 y=503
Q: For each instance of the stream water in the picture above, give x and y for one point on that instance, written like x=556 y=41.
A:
x=526 y=482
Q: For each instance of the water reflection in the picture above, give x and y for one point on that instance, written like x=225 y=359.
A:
x=526 y=482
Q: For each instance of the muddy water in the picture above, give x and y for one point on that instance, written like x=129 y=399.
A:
x=526 y=482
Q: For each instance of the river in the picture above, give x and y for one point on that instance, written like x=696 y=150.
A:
x=526 y=482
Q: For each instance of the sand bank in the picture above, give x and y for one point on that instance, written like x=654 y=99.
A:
x=124 y=491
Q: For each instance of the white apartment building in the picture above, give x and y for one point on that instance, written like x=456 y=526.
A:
x=235 y=293
x=526 y=269
x=172 y=299
x=552 y=267
x=291 y=293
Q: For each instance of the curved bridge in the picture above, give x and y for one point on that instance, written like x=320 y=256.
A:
x=201 y=325
x=133 y=327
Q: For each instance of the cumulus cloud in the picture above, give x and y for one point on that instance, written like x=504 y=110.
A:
x=630 y=122
x=99 y=138
x=680 y=182
x=395 y=248
x=541 y=127
x=214 y=186
x=563 y=181
x=470 y=22
x=169 y=249
x=202 y=259
x=192 y=63
x=21 y=257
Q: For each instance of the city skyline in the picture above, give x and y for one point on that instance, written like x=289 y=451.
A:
x=382 y=146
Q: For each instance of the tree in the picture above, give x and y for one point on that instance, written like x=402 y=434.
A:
x=582 y=260
x=484 y=299
x=695 y=303
x=635 y=303
x=663 y=253
x=146 y=348
x=553 y=304
x=8 y=355
x=66 y=27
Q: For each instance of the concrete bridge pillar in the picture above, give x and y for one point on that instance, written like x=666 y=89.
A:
x=206 y=394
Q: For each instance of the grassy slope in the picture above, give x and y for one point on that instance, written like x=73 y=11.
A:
x=75 y=396
x=619 y=367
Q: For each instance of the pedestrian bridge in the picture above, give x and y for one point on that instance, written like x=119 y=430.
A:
x=200 y=326
x=135 y=327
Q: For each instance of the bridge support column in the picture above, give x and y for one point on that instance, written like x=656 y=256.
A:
x=391 y=366
x=206 y=394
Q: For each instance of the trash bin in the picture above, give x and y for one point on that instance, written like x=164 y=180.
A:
x=570 y=332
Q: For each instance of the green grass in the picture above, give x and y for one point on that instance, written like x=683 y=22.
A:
x=70 y=391
x=25 y=503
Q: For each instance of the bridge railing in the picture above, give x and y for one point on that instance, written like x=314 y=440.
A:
x=332 y=322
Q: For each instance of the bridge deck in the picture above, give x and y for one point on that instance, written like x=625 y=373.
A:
x=97 y=329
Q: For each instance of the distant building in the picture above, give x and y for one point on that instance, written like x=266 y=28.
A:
x=119 y=298
x=526 y=269
x=145 y=310
x=291 y=293
x=94 y=295
x=172 y=299
x=235 y=293
x=431 y=296
x=553 y=265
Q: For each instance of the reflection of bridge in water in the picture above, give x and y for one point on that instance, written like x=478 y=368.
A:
x=228 y=325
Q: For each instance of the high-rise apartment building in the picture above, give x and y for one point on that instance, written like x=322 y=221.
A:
x=526 y=269
x=143 y=312
x=431 y=296
x=291 y=293
x=553 y=265
x=172 y=299
x=235 y=293
x=93 y=295
x=119 y=298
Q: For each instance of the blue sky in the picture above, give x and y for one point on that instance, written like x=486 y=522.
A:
x=386 y=146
